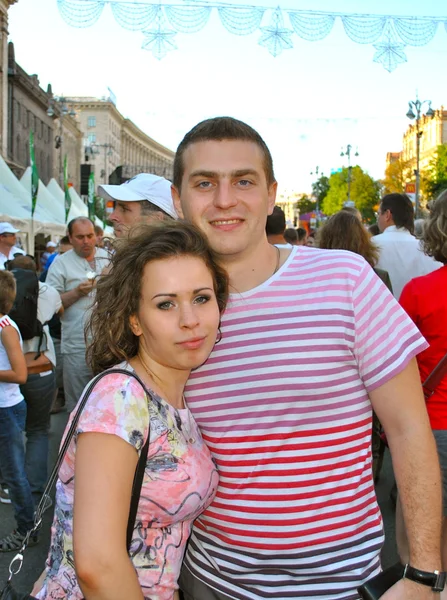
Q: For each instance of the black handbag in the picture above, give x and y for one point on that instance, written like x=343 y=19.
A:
x=8 y=592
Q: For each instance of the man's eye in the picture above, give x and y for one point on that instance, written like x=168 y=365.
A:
x=204 y=184
x=244 y=182
x=165 y=305
x=202 y=299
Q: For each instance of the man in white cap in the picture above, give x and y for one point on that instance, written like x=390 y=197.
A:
x=50 y=248
x=143 y=199
x=8 y=239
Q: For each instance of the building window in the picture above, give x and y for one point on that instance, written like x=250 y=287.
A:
x=91 y=122
x=91 y=138
x=18 y=112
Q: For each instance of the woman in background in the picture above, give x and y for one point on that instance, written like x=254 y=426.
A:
x=425 y=300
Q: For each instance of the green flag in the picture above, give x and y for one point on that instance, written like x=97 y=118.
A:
x=34 y=174
x=103 y=211
x=91 y=196
x=67 y=194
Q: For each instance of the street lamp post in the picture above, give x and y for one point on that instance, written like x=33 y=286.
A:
x=347 y=153
x=94 y=149
x=417 y=105
x=317 y=205
x=60 y=102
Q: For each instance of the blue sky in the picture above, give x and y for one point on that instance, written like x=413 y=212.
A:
x=307 y=103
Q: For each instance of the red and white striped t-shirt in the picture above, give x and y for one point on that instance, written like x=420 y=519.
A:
x=283 y=405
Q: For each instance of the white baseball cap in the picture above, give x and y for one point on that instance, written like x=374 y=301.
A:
x=51 y=245
x=145 y=186
x=7 y=228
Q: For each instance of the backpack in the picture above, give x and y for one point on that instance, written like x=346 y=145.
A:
x=24 y=310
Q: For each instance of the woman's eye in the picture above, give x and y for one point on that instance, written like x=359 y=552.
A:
x=201 y=299
x=164 y=305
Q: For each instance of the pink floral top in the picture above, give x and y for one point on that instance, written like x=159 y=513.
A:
x=179 y=483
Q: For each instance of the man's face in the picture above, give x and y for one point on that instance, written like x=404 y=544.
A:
x=383 y=218
x=125 y=215
x=83 y=239
x=8 y=239
x=225 y=193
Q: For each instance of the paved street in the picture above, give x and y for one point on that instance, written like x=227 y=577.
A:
x=35 y=557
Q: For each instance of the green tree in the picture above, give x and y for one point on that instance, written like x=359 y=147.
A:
x=305 y=204
x=396 y=175
x=320 y=189
x=434 y=179
x=364 y=192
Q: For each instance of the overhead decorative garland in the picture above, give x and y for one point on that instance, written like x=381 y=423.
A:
x=160 y=23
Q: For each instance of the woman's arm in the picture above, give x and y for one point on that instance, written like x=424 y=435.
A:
x=18 y=373
x=104 y=471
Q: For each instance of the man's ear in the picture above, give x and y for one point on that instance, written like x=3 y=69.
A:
x=273 y=188
x=176 y=199
x=135 y=325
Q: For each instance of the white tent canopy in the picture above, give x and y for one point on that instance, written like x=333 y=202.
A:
x=77 y=208
x=15 y=207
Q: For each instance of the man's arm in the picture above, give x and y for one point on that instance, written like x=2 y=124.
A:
x=400 y=406
x=56 y=279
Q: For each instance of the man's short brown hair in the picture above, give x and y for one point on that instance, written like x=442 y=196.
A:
x=219 y=129
x=7 y=291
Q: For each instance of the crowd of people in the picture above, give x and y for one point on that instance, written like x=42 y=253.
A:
x=252 y=362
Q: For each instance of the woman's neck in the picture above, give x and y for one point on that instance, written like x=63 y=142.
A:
x=167 y=382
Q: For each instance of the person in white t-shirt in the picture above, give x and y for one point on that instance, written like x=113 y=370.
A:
x=13 y=372
x=40 y=386
x=74 y=276
x=400 y=251
x=8 y=240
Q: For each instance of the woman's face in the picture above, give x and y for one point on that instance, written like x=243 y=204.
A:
x=178 y=316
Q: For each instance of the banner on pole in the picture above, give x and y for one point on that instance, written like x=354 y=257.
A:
x=34 y=174
x=66 y=190
x=91 y=196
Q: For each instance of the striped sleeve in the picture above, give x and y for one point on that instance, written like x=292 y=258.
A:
x=385 y=337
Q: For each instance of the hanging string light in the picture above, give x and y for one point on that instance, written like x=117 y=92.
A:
x=160 y=22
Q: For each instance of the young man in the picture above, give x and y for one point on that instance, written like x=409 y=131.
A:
x=400 y=251
x=309 y=342
x=143 y=199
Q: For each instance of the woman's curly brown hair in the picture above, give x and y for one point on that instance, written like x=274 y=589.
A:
x=344 y=231
x=118 y=292
x=434 y=237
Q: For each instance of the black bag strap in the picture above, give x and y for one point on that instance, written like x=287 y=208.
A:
x=435 y=378
x=44 y=504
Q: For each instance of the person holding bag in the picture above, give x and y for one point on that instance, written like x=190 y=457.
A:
x=156 y=316
x=425 y=300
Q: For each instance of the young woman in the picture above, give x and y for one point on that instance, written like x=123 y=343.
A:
x=157 y=313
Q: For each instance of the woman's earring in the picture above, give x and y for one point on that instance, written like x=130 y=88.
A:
x=219 y=335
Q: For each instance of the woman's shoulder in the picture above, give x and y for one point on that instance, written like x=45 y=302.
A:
x=116 y=404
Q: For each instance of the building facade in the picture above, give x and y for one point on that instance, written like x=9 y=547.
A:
x=68 y=141
x=27 y=111
x=4 y=7
x=111 y=141
x=433 y=134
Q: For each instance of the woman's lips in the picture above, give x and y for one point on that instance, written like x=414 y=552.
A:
x=192 y=344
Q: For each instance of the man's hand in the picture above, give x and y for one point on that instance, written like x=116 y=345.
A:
x=405 y=589
x=86 y=287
